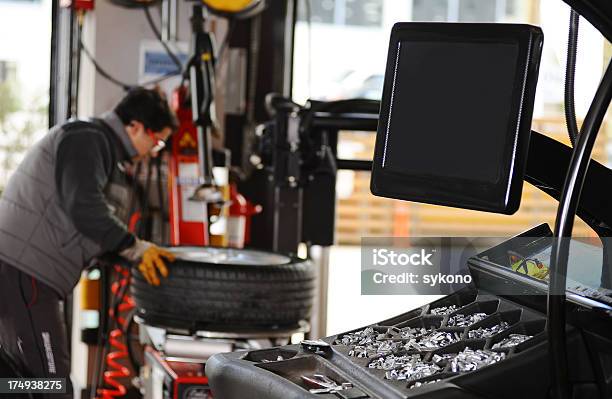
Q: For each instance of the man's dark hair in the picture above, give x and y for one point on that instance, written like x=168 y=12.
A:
x=148 y=107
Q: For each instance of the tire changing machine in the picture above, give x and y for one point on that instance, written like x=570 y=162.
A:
x=507 y=334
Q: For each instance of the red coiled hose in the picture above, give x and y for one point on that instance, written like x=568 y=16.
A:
x=116 y=371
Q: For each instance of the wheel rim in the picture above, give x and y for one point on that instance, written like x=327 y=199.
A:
x=229 y=256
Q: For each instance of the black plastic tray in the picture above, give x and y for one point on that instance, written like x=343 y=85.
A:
x=264 y=376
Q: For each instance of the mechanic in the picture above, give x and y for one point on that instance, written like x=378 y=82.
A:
x=58 y=212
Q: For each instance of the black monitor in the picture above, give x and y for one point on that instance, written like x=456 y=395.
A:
x=455 y=117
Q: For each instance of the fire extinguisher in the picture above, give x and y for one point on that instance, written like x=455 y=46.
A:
x=239 y=221
x=188 y=219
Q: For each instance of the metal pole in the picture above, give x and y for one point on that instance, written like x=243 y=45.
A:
x=63 y=51
x=169 y=20
x=201 y=80
x=564 y=224
x=53 y=86
x=320 y=257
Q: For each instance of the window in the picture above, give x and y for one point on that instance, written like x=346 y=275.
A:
x=462 y=10
x=341 y=52
x=321 y=11
x=8 y=71
x=430 y=10
x=342 y=12
x=479 y=11
x=24 y=79
x=363 y=12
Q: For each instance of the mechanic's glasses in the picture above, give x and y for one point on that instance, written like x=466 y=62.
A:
x=160 y=144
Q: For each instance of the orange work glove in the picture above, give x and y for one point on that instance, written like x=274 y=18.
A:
x=151 y=259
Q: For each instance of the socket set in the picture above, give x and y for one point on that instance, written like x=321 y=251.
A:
x=470 y=341
x=456 y=336
x=461 y=333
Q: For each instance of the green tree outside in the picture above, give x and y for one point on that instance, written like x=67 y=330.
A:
x=21 y=123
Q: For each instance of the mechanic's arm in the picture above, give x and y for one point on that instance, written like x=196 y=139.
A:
x=82 y=171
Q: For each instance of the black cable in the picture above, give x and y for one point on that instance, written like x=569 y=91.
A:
x=125 y=86
x=162 y=202
x=128 y=340
x=134 y=3
x=570 y=74
x=101 y=71
x=161 y=78
x=158 y=36
x=185 y=76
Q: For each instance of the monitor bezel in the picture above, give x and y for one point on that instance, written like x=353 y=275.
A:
x=502 y=197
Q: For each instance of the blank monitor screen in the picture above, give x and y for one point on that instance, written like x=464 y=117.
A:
x=450 y=131
x=455 y=115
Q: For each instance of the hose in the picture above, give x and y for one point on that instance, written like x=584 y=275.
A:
x=121 y=302
x=570 y=74
x=564 y=223
x=102 y=332
x=563 y=229
x=116 y=370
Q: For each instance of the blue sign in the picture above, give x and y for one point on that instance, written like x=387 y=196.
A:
x=160 y=63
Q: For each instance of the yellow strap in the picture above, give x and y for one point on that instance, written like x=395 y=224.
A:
x=228 y=5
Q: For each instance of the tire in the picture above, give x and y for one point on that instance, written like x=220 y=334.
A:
x=242 y=289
